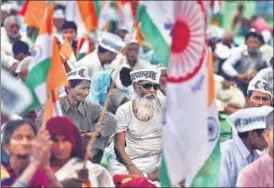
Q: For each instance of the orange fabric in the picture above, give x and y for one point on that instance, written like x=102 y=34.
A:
x=211 y=88
x=34 y=12
x=47 y=21
x=139 y=35
x=66 y=49
x=57 y=75
x=49 y=110
x=88 y=13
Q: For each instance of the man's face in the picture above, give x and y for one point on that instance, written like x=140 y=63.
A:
x=20 y=56
x=258 y=99
x=258 y=141
x=132 y=51
x=70 y=34
x=80 y=92
x=163 y=80
x=146 y=101
x=148 y=88
x=58 y=22
x=253 y=44
x=227 y=39
x=109 y=57
x=12 y=29
x=20 y=144
x=122 y=33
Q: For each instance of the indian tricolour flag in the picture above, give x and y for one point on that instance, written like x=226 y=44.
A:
x=46 y=72
x=33 y=16
x=125 y=14
x=84 y=14
x=191 y=128
x=85 y=48
x=209 y=174
x=156 y=20
x=67 y=53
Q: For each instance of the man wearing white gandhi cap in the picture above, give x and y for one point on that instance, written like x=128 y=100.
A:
x=260 y=173
x=100 y=59
x=139 y=131
x=131 y=55
x=85 y=114
x=258 y=93
x=248 y=125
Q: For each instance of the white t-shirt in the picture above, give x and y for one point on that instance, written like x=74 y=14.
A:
x=143 y=138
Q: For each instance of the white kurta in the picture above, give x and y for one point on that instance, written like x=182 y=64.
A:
x=98 y=175
x=144 y=140
x=7 y=59
x=92 y=63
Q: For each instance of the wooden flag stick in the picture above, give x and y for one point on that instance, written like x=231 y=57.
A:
x=102 y=115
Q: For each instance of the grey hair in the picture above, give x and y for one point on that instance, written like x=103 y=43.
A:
x=10 y=19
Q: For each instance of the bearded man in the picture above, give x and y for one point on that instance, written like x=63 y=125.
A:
x=138 y=137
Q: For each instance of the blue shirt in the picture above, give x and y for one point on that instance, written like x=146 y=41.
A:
x=100 y=82
x=234 y=157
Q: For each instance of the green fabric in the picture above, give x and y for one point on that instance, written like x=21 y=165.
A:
x=80 y=56
x=209 y=174
x=153 y=36
x=98 y=7
x=226 y=131
x=230 y=8
x=164 y=179
x=34 y=34
x=37 y=75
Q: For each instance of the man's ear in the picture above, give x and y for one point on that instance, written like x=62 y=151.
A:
x=67 y=89
x=266 y=135
x=247 y=100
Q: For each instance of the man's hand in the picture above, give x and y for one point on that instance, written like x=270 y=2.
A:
x=243 y=77
x=227 y=84
x=14 y=67
x=154 y=176
x=89 y=135
x=132 y=169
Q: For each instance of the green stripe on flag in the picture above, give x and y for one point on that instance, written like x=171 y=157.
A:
x=37 y=75
x=97 y=7
x=153 y=36
x=164 y=179
x=209 y=174
x=33 y=34
x=80 y=56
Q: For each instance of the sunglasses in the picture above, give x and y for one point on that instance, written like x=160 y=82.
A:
x=149 y=86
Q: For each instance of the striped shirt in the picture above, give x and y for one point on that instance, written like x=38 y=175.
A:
x=86 y=118
x=234 y=157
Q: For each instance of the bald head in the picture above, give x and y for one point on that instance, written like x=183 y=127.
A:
x=11 y=25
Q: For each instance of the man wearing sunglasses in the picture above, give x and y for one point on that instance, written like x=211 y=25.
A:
x=139 y=131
